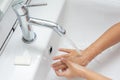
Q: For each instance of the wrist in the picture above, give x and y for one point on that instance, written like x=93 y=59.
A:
x=90 y=53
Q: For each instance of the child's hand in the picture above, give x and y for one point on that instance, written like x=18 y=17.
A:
x=73 y=56
x=73 y=70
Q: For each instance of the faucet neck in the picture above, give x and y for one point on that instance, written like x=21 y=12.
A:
x=25 y=21
x=22 y=13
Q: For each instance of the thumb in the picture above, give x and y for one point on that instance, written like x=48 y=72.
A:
x=67 y=62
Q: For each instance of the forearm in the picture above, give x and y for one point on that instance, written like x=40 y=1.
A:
x=90 y=75
x=109 y=38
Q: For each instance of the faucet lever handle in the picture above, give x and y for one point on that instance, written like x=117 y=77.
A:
x=36 y=5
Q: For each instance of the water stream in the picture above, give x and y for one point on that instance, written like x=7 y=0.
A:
x=71 y=43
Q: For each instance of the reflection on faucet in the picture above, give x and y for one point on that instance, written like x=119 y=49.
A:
x=26 y=21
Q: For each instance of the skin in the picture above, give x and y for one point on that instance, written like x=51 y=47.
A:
x=108 y=39
x=74 y=70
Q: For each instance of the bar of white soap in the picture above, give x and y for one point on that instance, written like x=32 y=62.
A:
x=23 y=60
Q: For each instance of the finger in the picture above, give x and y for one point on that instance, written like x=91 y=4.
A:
x=57 y=64
x=61 y=56
x=57 y=57
x=72 y=65
x=61 y=67
x=59 y=73
x=67 y=62
x=65 y=50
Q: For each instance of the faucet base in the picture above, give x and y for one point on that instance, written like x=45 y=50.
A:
x=29 y=41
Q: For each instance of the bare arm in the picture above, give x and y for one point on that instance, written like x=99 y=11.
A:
x=108 y=39
x=91 y=75
x=74 y=70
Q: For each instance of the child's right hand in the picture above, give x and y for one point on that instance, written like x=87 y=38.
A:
x=73 y=70
x=73 y=56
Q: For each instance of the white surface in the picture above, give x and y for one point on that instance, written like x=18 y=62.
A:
x=6 y=25
x=4 y=4
x=85 y=21
x=3 y=7
x=38 y=50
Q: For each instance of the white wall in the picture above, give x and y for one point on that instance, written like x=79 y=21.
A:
x=86 y=20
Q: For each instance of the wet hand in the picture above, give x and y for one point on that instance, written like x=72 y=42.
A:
x=73 y=56
x=73 y=70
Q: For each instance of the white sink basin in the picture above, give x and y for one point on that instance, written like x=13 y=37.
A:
x=41 y=50
x=86 y=20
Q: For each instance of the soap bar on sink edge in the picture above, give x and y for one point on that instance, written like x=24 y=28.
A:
x=23 y=60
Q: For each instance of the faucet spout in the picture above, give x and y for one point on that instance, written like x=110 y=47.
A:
x=26 y=22
x=41 y=22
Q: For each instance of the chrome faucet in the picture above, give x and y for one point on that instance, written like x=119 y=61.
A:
x=26 y=22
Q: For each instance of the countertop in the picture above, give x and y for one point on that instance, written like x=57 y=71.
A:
x=15 y=47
